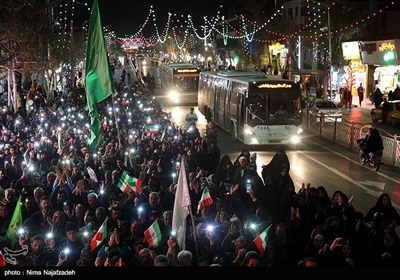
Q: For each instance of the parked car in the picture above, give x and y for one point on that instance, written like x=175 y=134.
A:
x=325 y=110
x=393 y=115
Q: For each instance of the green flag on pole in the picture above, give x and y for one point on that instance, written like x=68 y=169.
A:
x=98 y=78
x=15 y=223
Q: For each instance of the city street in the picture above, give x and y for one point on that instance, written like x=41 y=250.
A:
x=316 y=160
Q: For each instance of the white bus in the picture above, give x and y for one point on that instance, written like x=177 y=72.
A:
x=244 y=103
x=180 y=82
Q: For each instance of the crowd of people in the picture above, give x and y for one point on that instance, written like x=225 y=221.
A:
x=68 y=192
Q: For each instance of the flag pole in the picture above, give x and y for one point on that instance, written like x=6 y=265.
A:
x=183 y=163
x=116 y=123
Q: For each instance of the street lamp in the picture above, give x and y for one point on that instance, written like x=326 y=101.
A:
x=329 y=47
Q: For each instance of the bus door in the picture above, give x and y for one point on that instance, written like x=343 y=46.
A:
x=241 y=114
x=217 y=105
x=220 y=107
x=228 y=107
x=212 y=100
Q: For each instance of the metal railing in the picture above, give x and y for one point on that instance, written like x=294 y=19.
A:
x=346 y=134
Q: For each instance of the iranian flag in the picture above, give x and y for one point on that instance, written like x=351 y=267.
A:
x=153 y=129
x=53 y=111
x=60 y=111
x=60 y=143
x=164 y=134
x=42 y=111
x=100 y=235
x=126 y=182
x=205 y=200
x=137 y=184
x=261 y=240
x=153 y=235
x=2 y=260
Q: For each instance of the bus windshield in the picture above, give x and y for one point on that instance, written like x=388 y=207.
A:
x=189 y=84
x=272 y=109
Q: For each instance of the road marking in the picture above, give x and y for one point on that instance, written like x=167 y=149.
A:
x=358 y=184
x=378 y=185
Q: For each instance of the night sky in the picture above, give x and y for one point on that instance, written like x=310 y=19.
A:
x=125 y=16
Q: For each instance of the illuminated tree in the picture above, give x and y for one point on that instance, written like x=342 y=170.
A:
x=24 y=36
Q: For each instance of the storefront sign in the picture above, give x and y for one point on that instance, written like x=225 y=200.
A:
x=380 y=52
x=386 y=46
x=351 y=51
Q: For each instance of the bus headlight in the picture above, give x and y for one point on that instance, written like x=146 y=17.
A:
x=295 y=139
x=173 y=96
x=248 y=131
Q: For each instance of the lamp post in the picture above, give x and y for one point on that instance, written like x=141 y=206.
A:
x=329 y=48
x=330 y=53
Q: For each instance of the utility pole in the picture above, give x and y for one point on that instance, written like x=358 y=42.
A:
x=71 y=46
x=329 y=49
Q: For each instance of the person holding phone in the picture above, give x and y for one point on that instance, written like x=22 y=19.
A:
x=248 y=187
x=74 y=245
x=39 y=253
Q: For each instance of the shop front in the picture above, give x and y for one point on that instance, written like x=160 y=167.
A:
x=373 y=62
x=355 y=73
x=383 y=56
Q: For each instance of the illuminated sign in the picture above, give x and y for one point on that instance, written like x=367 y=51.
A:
x=388 y=56
x=386 y=46
x=368 y=48
x=284 y=85
x=380 y=52
x=351 y=51
x=187 y=70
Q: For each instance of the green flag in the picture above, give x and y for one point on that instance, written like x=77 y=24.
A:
x=98 y=78
x=16 y=223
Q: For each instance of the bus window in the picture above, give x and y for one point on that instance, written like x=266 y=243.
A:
x=257 y=109
x=281 y=112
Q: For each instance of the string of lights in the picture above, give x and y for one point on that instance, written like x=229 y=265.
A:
x=182 y=33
